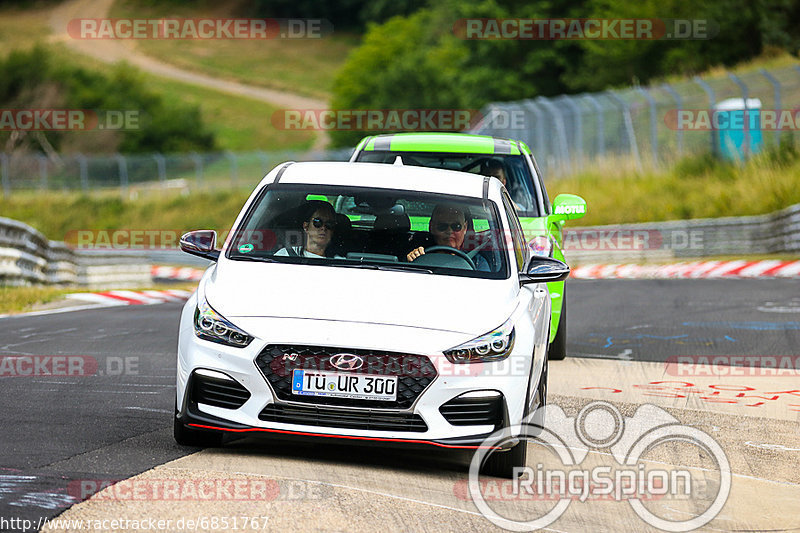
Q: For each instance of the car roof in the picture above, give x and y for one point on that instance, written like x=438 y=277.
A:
x=382 y=176
x=443 y=142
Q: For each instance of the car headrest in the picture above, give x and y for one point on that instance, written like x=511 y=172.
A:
x=343 y=223
x=392 y=222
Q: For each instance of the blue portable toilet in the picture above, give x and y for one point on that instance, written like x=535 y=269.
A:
x=737 y=134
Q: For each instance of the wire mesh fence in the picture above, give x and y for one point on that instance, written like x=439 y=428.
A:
x=78 y=172
x=641 y=126
x=654 y=126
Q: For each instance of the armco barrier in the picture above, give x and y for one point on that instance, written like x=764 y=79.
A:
x=26 y=256
x=777 y=232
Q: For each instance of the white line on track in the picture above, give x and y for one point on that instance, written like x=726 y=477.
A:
x=54 y=311
x=100 y=391
x=150 y=410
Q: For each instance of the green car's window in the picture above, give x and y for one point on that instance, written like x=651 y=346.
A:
x=519 y=180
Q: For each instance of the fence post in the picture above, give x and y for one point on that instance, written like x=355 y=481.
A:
x=508 y=131
x=536 y=131
x=561 y=133
x=6 y=178
x=234 y=168
x=161 y=165
x=776 y=86
x=577 y=119
x=653 y=124
x=198 y=168
x=42 y=171
x=712 y=101
x=122 y=164
x=628 y=122
x=679 y=103
x=83 y=170
x=746 y=128
x=485 y=122
x=601 y=128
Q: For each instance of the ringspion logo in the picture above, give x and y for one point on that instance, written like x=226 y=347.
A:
x=567 y=481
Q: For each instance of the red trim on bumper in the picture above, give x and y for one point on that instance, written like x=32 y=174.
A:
x=352 y=437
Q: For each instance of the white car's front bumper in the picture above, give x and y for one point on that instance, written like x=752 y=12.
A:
x=516 y=379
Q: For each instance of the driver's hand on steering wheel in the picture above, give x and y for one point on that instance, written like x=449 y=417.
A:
x=413 y=254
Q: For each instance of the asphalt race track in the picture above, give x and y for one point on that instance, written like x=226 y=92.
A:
x=66 y=436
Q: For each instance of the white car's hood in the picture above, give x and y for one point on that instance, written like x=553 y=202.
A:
x=448 y=303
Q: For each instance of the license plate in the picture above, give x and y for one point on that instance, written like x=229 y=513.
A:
x=353 y=386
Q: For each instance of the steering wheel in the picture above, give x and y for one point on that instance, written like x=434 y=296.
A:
x=451 y=250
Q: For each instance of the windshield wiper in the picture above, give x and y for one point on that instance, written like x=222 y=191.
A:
x=255 y=258
x=388 y=268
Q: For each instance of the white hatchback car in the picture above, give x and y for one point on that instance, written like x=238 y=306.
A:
x=367 y=302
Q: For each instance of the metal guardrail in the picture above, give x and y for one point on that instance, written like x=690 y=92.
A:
x=27 y=257
x=773 y=233
x=568 y=133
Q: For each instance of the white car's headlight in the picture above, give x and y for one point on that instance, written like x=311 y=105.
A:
x=211 y=326
x=493 y=346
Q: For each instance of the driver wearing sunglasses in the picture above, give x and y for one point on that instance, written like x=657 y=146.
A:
x=448 y=226
x=318 y=227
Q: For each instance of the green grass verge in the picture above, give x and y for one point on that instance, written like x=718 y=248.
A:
x=302 y=66
x=56 y=215
x=698 y=187
x=20 y=299
x=14 y=300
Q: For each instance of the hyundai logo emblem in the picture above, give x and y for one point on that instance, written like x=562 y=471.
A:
x=347 y=361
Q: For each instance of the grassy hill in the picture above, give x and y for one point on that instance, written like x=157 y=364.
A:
x=240 y=123
x=302 y=66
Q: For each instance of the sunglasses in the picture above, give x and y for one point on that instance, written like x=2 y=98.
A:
x=455 y=226
x=318 y=222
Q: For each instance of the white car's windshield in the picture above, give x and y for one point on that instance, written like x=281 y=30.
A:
x=373 y=228
x=513 y=170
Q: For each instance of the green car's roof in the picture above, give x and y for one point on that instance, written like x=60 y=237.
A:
x=442 y=142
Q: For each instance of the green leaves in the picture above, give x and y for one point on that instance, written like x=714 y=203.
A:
x=33 y=80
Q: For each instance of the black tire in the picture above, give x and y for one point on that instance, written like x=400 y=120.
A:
x=558 y=348
x=501 y=464
x=195 y=437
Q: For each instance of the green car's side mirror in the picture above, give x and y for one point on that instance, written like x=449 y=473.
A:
x=568 y=207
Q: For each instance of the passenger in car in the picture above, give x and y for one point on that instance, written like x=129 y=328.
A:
x=319 y=223
x=448 y=226
x=494 y=168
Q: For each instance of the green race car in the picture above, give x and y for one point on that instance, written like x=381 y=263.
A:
x=513 y=163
